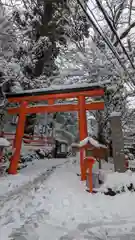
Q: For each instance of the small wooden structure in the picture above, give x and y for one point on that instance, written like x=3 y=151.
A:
x=61 y=148
x=92 y=150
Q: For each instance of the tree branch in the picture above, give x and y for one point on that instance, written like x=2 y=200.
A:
x=119 y=11
x=125 y=33
x=129 y=23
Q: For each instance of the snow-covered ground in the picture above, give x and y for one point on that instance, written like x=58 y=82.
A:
x=58 y=208
x=11 y=183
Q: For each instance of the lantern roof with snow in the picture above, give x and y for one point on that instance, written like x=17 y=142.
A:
x=91 y=141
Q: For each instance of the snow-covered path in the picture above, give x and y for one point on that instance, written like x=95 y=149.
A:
x=59 y=208
x=17 y=193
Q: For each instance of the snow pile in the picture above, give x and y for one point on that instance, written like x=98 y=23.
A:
x=118 y=181
x=4 y=142
x=115 y=114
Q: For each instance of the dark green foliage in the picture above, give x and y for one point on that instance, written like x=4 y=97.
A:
x=46 y=25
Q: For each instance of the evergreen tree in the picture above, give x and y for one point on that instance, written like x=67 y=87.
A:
x=45 y=26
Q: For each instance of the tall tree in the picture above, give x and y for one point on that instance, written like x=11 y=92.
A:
x=45 y=26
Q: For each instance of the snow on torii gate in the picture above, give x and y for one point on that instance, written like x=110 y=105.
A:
x=51 y=95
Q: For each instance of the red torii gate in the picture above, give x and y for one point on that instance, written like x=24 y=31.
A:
x=51 y=95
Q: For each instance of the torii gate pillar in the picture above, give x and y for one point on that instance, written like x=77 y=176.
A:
x=18 y=139
x=83 y=132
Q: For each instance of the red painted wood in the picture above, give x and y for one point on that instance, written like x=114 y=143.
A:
x=59 y=108
x=83 y=131
x=18 y=140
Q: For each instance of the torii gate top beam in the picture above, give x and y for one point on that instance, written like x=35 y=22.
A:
x=57 y=92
